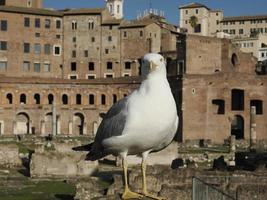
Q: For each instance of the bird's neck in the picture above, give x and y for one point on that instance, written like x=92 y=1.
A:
x=155 y=82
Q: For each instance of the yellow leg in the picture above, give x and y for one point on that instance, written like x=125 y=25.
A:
x=145 y=192
x=127 y=193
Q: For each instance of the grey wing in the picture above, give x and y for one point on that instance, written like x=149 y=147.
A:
x=113 y=123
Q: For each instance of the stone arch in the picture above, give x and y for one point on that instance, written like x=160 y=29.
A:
x=50 y=98
x=65 y=99
x=115 y=98
x=78 y=99
x=37 y=98
x=9 y=98
x=91 y=99
x=23 y=99
x=103 y=99
x=234 y=60
x=22 y=124
x=78 y=123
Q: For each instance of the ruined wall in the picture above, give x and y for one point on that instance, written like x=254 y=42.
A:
x=74 y=117
x=200 y=115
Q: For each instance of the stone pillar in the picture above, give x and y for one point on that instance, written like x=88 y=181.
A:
x=58 y=125
x=232 y=144
x=253 y=133
x=42 y=127
x=70 y=127
x=54 y=120
x=85 y=128
x=95 y=127
x=14 y=127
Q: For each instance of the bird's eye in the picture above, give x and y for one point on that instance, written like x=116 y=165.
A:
x=161 y=60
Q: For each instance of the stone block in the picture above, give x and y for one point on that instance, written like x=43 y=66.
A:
x=54 y=164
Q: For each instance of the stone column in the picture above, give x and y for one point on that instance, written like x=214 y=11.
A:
x=58 y=125
x=85 y=128
x=14 y=127
x=70 y=127
x=54 y=120
x=95 y=127
x=42 y=127
x=232 y=144
x=253 y=133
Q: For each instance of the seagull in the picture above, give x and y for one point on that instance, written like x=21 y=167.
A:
x=146 y=121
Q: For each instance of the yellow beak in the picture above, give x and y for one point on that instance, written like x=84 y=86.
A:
x=152 y=66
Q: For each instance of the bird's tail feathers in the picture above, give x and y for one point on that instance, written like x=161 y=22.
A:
x=87 y=147
x=93 y=156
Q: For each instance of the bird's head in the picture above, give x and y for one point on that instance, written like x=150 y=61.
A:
x=153 y=63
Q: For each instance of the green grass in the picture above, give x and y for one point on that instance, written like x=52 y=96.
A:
x=43 y=190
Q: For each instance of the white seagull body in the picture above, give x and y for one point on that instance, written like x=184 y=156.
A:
x=144 y=122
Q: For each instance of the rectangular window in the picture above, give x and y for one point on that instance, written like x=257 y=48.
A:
x=37 y=48
x=37 y=34
x=26 y=66
x=37 y=23
x=90 y=77
x=91 y=66
x=3 y=24
x=86 y=53
x=109 y=65
x=73 y=77
x=74 y=54
x=26 y=22
x=3 y=45
x=73 y=66
x=47 y=49
x=47 y=23
x=57 y=50
x=46 y=67
x=110 y=27
x=58 y=24
x=125 y=34
x=109 y=75
x=73 y=39
x=232 y=31
x=241 y=31
x=196 y=11
x=106 y=51
x=109 y=38
x=26 y=47
x=37 y=67
x=58 y=36
x=3 y=65
x=127 y=65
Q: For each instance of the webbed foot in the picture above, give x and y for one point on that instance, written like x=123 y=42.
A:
x=131 y=195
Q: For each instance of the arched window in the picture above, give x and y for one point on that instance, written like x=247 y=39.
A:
x=9 y=98
x=114 y=98
x=103 y=99
x=234 y=60
x=91 y=99
x=37 y=98
x=64 y=99
x=22 y=99
x=78 y=99
x=50 y=98
x=74 y=25
x=91 y=24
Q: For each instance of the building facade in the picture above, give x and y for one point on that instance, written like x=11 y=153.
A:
x=60 y=69
x=217 y=94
